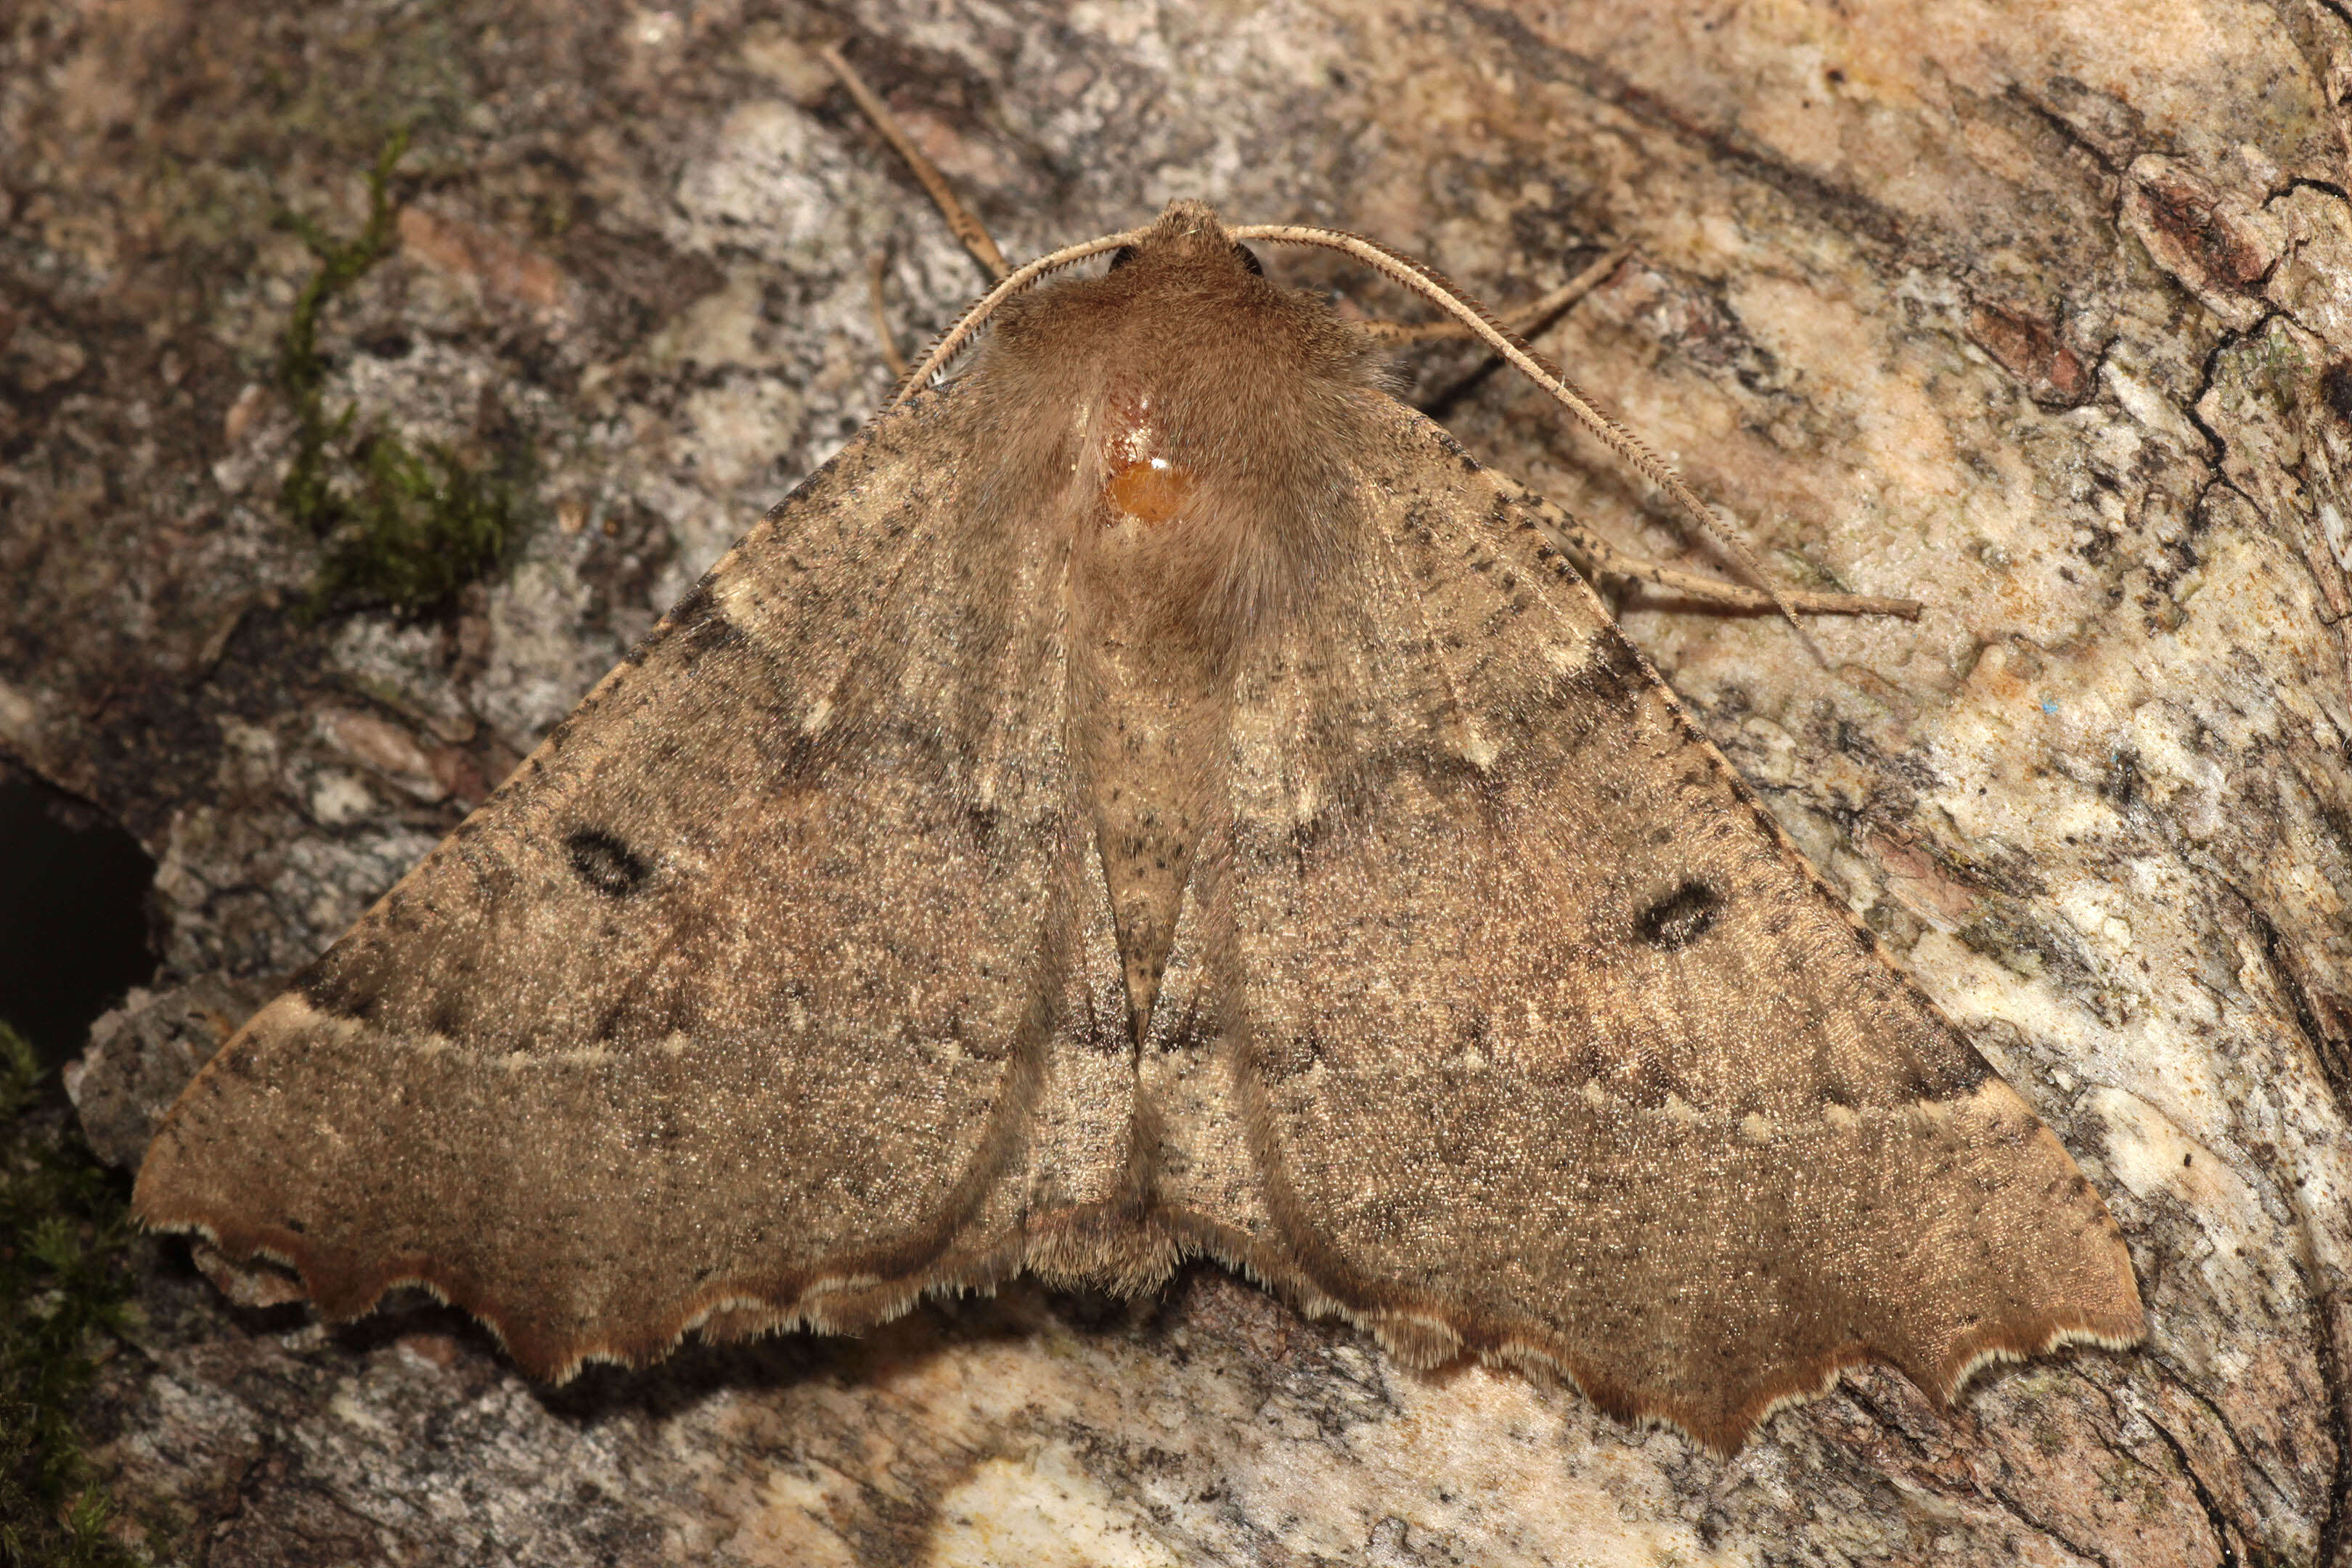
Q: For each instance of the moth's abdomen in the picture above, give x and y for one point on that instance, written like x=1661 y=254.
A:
x=1147 y=692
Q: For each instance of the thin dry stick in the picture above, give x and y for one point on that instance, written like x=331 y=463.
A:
x=966 y=228
x=1525 y=321
x=1597 y=559
x=1433 y=285
x=874 y=265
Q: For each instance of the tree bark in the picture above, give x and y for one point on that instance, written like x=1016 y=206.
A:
x=2041 y=314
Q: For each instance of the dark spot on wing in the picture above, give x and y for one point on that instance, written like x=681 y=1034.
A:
x=1958 y=1074
x=699 y=625
x=242 y=1062
x=604 y=863
x=1612 y=674
x=1189 y=1032
x=1282 y=1058
x=1105 y=1033
x=972 y=1043
x=1639 y=1078
x=797 y=762
x=1679 y=919
x=347 y=981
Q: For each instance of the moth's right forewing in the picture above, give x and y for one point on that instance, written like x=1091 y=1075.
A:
x=734 y=1000
x=1548 y=1043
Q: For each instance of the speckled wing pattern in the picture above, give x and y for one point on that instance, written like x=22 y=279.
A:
x=730 y=1007
x=1547 y=1043
x=1159 y=796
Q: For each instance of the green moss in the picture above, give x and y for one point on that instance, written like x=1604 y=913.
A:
x=418 y=527
x=403 y=528
x=63 y=1291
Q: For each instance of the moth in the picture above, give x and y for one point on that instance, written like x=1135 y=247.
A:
x=1155 y=797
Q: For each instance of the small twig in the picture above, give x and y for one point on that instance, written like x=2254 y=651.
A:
x=1600 y=559
x=875 y=267
x=968 y=228
x=1527 y=320
x=1515 y=350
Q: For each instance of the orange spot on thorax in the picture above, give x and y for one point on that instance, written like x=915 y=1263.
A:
x=1141 y=482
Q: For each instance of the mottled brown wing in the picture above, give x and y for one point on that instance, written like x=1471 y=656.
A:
x=1547 y=1044
x=730 y=1005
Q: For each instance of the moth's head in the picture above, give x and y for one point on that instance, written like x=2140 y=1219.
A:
x=1186 y=307
x=1189 y=242
x=1189 y=422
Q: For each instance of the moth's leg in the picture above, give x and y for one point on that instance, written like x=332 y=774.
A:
x=961 y=219
x=1524 y=322
x=1597 y=559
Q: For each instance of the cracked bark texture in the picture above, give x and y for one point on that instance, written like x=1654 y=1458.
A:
x=2043 y=313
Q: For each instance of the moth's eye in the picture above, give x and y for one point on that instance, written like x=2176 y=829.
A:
x=1249 y=260
x=1120 y=257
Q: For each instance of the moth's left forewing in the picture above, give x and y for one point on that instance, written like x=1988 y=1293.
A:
x=1548 y=1043
x=733 y=1006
